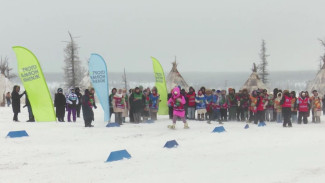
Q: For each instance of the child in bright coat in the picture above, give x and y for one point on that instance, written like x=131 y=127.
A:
x=223 y=102
x=201 y=105
x=209 y=100
x=243 y=105
x=216 y=106
x=177 y=101
x=233 y=104
x=191 y=104
x=72 y=102
x=252 y=107
x=154 y=103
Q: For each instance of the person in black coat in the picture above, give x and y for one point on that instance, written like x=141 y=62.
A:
x=92 y=100
x=87 y=110
x=170 y=108
x=131 y=109
x=59 y=104
x=15 y=97
x=30 y=111
x=137 y=101
x=111 y=111
x=77 y=90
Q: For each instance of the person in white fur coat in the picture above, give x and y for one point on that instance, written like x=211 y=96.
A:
x=118 y=106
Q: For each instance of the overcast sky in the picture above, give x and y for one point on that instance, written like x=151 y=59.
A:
x=216 y=35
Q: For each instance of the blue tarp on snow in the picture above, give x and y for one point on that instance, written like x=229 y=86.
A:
x=15 y=134
x=219 y=129
x=261 y=124
x=112 y=125
x=171 y=144
x=118 y=155
x=150 y=121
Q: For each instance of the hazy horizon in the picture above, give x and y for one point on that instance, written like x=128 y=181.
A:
x=207 y=36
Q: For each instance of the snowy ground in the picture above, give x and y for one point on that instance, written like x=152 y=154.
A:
x=68 y=152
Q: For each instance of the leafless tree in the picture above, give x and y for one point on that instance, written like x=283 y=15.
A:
x=322 y=58
x=263 y=72
x=125 y=80
x=5 y=69
x=73 y=70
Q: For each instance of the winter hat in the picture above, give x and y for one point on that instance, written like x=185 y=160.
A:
x=208 y=91
x=176 y=92
x=60 y=90
x=285 y=91
x=86 y=92
x=218 y=91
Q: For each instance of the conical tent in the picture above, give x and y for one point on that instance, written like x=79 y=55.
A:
x=254 y=82
x=318 y=83
x=5 y=86
x=174 y=78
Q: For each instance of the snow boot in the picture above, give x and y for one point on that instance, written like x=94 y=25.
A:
x=171 y=126
x=186 y=126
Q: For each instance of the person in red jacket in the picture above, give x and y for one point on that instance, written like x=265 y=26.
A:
x=190 y=99
x=260 y=107
x=286 y=108
x=303 y=108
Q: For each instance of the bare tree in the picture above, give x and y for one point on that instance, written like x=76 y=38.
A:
x=5 y=69
x=73 y=70
x=125 y=80
x=263 y=72
x=322 y=58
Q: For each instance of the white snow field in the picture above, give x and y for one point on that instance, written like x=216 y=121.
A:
x=69 y=152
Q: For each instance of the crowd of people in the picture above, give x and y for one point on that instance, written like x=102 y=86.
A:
x=141 y=104
x=257 y=106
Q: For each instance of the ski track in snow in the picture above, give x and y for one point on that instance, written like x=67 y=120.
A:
x=68 y=152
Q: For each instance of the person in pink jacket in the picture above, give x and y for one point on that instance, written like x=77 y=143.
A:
x=177 y=101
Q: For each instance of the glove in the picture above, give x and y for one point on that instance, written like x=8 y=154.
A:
x=95 y=107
